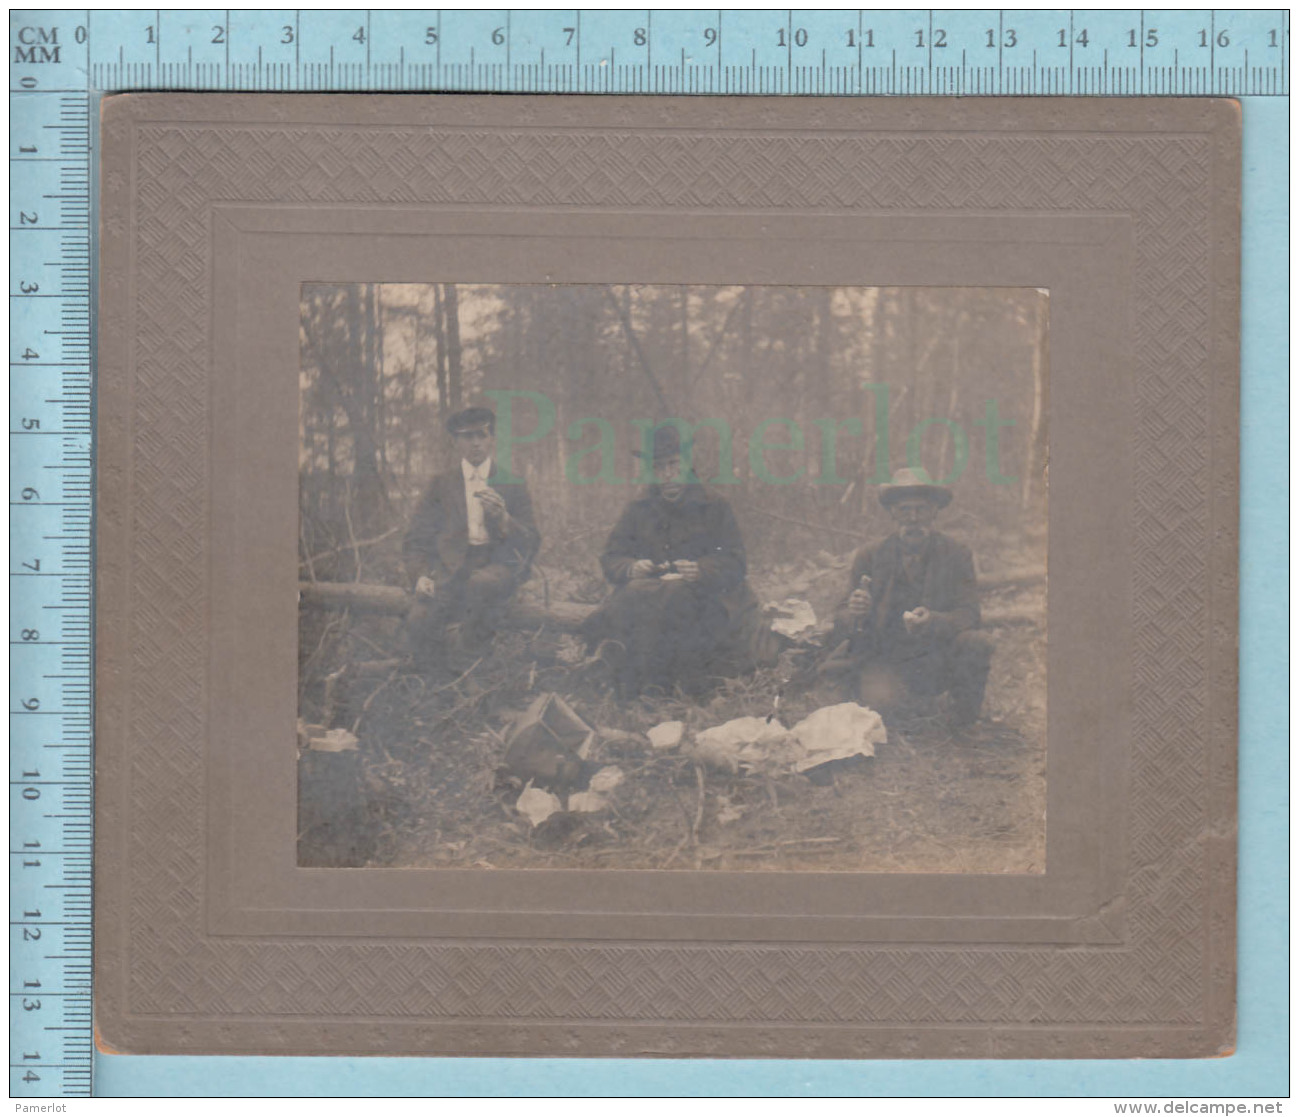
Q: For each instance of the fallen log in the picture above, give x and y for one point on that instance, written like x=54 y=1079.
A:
x=360 y=597
x=393 y=601
x=566 y=616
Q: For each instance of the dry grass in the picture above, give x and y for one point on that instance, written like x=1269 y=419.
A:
x=429 y=793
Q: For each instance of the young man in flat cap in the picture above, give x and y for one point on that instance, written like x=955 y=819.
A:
x=676 y=560
x=908 y=625
x=470 y=545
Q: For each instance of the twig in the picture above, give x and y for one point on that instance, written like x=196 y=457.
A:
x=690 y=829
x=310 y=559
x=625 y=321
x=721 y=333
x=808 y=841
x=791 y=520
x=676 y=852
x=699 y=810
x=351 y=535
x=330 y=701
x=310 y=663
x=459 y=679
x=302 y=535
x=365 y=707
x=767 y=851
x=367 y=640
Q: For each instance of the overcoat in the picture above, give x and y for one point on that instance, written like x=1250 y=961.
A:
x=700 y=527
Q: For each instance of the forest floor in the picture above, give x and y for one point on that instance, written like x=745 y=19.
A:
x=425 y=785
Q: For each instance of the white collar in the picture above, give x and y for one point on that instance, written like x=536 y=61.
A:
x=470 y=471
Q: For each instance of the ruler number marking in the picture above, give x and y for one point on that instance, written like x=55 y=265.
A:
x=396 y=62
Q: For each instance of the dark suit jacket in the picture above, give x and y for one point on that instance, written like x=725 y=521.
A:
x=948 y=589
x=699 y=526
x=438 y=538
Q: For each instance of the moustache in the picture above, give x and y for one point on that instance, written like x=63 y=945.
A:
x=914 y=535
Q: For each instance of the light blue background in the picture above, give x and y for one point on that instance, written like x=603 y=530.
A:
x=1259 y=1067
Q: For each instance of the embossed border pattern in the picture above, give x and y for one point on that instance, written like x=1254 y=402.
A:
x=1168 y=989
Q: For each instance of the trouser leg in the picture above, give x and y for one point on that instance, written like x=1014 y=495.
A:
x=881 y=686
x=486 y=594
x=424 y=630
x=475 y=598
x=902 y=674
x=885 y=681
x=969 y=661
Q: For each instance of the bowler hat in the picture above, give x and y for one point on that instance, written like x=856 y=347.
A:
x=666 y=444
x=912 y=483
x=471 y=419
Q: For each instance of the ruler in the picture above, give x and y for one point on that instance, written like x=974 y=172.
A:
x=923 y=51
x=61 y=61
x=49 y=593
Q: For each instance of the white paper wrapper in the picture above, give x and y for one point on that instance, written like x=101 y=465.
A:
x=537 y=805
x=792 y=617
x=666 y=735
x=836 y=733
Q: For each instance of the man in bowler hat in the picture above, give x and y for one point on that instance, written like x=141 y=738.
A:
x=908 y=625
x=676 y=560
x=469 y=546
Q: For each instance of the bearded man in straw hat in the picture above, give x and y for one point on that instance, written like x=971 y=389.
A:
x=677 y=562
x=908 y=625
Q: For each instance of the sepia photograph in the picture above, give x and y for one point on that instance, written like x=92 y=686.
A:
x=742 y=578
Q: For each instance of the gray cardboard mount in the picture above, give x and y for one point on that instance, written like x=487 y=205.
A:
x=216 y=208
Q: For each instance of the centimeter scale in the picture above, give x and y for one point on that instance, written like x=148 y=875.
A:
x=62 y=60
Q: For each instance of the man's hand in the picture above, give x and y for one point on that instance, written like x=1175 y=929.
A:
x=917 y=619
x=642 y=568
x=687 y=569
x=859 y=603
x=493 y=506
x=425 y=586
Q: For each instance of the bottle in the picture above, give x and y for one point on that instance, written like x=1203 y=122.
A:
x=857 y=640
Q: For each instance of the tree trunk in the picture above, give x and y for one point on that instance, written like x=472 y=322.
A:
x=455 y=373
x=440 y=330
x=1036 y=452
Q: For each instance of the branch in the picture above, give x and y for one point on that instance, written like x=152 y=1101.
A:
x=308 y=562
x=625 y=319
x=799 y=523
x=721 y=332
